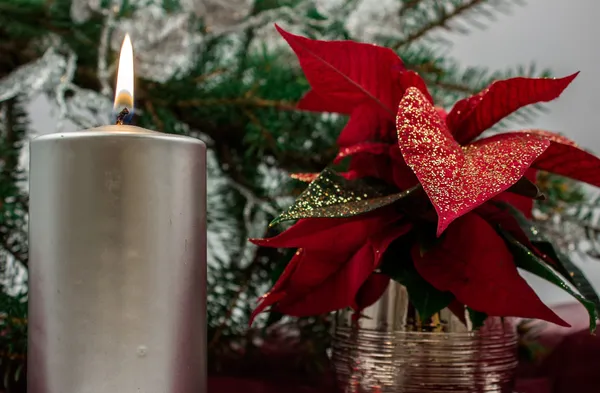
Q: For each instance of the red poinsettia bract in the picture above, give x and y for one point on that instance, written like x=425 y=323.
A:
x=334 y=263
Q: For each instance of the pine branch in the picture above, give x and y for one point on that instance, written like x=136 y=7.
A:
x=407 y=6
x=14 y=126
x=242 y=102
x=441 y=21
x=9 y=158
x=231 y=306
x=9 y=247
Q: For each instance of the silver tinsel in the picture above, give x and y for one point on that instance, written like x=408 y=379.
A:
x=385 y=12
x=29 y=80
x=164 y=44
x=219 y=14
x=88 y=109
x=82 y=10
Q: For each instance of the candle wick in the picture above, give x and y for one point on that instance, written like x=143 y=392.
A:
x=121 y=116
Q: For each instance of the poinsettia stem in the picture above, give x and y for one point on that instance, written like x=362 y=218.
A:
x=441 y=21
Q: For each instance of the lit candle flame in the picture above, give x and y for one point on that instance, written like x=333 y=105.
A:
x=124 y=90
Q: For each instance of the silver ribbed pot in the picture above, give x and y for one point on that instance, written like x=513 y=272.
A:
x=390 y=350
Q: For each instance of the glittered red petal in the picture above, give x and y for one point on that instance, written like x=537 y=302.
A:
x=564 y=158
x=473 y=263
x=473 y=115
x=458 y=179
x=348 y=71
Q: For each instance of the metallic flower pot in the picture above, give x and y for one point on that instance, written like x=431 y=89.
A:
x=390 y=350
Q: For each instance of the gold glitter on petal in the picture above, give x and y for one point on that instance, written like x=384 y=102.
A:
x=332 y=196
x=458 y=179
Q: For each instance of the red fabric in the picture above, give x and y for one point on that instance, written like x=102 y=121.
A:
x=247 y=385
x=573 y=362
x=533 y=385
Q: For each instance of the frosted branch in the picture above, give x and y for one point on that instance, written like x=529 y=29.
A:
x=103 y=71
x=288 y=12
x=61 y=89
x=254 y=226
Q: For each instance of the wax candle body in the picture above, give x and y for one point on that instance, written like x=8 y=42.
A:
x=117 y=299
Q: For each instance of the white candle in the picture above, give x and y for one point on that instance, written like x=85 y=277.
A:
x=117 y=299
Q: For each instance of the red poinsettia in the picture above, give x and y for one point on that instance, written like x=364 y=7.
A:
x=420 y=145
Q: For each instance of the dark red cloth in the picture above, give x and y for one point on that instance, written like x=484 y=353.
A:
x=241 y=385
x=572 y=366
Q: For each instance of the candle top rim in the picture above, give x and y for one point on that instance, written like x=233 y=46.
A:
x=116 y=130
